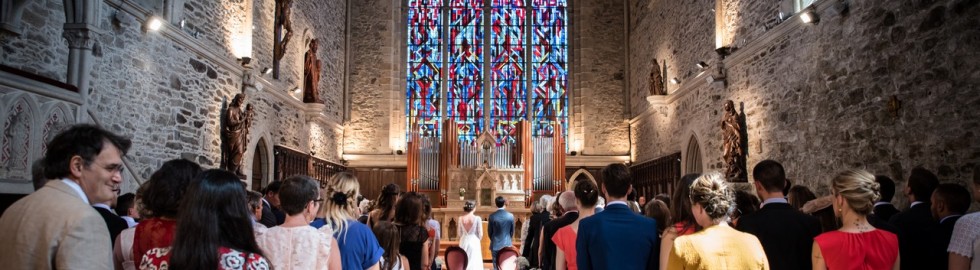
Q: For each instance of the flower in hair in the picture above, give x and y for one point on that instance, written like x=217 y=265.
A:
x=339 y=198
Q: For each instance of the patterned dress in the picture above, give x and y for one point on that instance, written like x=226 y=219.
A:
x=229 y=259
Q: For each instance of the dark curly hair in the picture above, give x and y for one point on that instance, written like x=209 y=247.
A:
x=469 y=206
x=712 y=193
x=161 y=194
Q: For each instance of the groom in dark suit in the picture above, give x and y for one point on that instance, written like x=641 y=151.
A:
x=501 y=229
x=617 y=238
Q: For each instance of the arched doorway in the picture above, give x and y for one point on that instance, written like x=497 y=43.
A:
x=260 y=166
x=692 y=157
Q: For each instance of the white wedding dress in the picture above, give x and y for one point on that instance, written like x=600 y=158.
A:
x=469 y=241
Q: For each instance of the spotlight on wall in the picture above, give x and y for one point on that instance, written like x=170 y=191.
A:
x=266 y=71
x=675 y=81
x=154 y=23
x=702 y=65
x=183 y=22
x=296 y=90
x=808 y=16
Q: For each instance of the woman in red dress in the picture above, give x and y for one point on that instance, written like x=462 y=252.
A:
x=214 y=229
x=857 y=244
x=160 y=199
x=586 y=195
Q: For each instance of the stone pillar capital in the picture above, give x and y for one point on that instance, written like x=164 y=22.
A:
x=80 y=36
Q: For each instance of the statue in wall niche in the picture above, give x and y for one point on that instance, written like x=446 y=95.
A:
x=734 y=153
x=281 y=38
x=311 y=75
x=235 y=134
x=656 y=80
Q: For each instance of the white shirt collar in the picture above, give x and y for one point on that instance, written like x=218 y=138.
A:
x=615 y=202
x=103 y=206
x=915 y=203
x=77 y=189
x=882 y=203
x=949 y=216
x=130 y=221
x=773 y=200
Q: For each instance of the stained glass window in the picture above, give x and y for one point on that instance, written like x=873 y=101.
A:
x=424 y=66
x=515 y=49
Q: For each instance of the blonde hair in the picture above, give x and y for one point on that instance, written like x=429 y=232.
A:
x=714 y=195
x=859 y=188
x=340 y=201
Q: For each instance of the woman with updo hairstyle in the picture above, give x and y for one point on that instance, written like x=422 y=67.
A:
x=857 y=244
x=295 y=244
x=586 y=197
x=359 y=248
x=718 y=245
x=470 y=231
x=385 y=207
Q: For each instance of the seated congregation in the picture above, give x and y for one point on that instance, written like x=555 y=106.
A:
x=189 y=217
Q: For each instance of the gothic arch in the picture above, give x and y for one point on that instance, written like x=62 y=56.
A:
x=693 y=161
x=57 y=117
x=10 y=13
x=18 y=140
x=259 y=145
x=576 y=174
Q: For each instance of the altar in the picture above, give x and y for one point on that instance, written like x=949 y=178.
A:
x=451 y=171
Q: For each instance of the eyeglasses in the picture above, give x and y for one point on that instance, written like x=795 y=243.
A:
x=320 y=201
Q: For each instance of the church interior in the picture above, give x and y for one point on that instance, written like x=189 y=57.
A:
x=472 y=99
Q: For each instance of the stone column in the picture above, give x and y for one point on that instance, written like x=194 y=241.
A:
x=81 y=39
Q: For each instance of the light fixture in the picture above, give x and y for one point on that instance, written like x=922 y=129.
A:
x=702 y=65
x=183 y=22
x=675 y=81
x=808 y=16
x=296 y=90
x=266 y=71
x=154 y=23
x=245 y=60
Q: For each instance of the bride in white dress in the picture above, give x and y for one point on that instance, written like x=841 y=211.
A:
x=470 y=233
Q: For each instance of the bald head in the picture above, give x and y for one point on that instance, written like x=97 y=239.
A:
x=567 y=201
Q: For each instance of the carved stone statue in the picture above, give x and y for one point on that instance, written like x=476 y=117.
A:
x=281 y=39
x=311 y=75
x=656 y=80
x=734 y=154
x=235 y=134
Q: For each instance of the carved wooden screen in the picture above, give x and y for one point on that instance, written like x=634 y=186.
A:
x=290 y=162
x=657 y=176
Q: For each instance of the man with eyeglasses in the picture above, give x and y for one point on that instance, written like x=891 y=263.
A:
x=56 y=227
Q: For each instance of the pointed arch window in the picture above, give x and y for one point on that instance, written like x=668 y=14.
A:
x=486 y=65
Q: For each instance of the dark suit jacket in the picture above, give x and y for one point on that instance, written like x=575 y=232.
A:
x=915 y=239
x=115 y=223
x=618 y=239
x=268 y=218
x=531 y=243
x=882 y=224
x=885 y=211
x=501 y=229
x=943 y=234
x=549 y=251
x=786 y=234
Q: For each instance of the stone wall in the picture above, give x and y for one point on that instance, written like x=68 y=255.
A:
x=598 y=77
x=886 y=87
x=598 y=107
x=167 y=89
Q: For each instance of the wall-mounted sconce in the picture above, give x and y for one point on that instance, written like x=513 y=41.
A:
x=296 y=90
x=245 y=60
x=154 y=24
x=574 y=153
x=675 y=81
x=266 y=71
x=183 y=22
x=701 y=65
x=399 y=152
x=809 y=16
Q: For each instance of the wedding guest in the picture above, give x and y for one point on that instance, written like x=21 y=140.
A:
x=295 y=244
x=359 y=248
x=857 y=244
x=681 y=216
x=389 y=237
x=586 y=197
x=160 y=205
